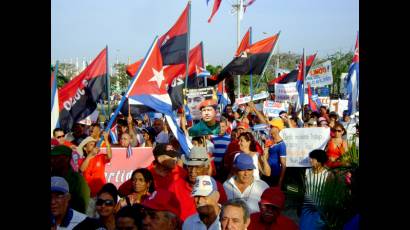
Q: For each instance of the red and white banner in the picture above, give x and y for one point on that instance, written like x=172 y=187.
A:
x=120 y=167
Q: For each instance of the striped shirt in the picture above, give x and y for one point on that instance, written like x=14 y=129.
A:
x=220 y=145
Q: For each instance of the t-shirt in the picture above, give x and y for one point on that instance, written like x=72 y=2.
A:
x=195 y=223
x=94 y=174
x=201 y=129
x=281 y=223
x=221 y=143
x=252 y=194
x=276 y=151
x=182 y=190
x=71 y=219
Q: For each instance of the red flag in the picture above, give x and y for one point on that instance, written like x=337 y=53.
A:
x=312 y=104
x=217 y=3
x=245 y=43
x=302 y=64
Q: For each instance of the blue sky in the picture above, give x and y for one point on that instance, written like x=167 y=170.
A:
x=82 y=28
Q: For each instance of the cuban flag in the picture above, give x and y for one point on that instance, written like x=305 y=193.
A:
x=202 y=72
x=149 y=88
x=114 y=134
x=352 y=81
x=54 y=100
x=129 y=151
x=303 y=69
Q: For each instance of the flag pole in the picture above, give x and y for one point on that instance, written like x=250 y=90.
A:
x=267 y=62
x=237 y=43
x=187 y=44
x=304 y=82
x=126 y=95
x=250 y=43
x=203 y=63
x=108 y=83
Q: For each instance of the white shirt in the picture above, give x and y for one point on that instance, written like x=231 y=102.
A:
x=194 y=223
x=251 y=195
x=77 y=218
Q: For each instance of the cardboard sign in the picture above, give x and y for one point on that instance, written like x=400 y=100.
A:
x=286 y=92
x=320 y=75
x=301 y=141
x=196 y=96
x=120 y=167
x=255 y=97
x=272 y=108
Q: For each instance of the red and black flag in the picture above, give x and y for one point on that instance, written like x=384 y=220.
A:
x=292 y=76
x=173 y=44
x=79 y=97
x=251 y=61
x=245 y=43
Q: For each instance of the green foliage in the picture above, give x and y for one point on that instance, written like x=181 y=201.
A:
x=340 y=64
x=213 y=69
x=119 y=80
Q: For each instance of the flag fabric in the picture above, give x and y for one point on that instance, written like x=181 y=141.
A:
x=252 y=61
x=312 y=103
x=352 y=81
x=54 y=100
x=303 y=69
x=207 y=1
x=215 y=8
x=129 y=151
x=174 y=42
x=79 y=97
x=250 y=2
x=114 y=134
x=149 y=88
x=292 y=76
x=223 y=99
x=245 y=43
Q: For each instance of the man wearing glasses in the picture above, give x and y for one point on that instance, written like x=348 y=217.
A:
x=59 y=135
x=63 y=217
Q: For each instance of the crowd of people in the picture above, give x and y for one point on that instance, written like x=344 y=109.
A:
x=232 y=178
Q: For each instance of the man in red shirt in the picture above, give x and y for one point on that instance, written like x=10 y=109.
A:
x=164 y=169
x=197 y=164
x=93 y=165
x=271 y=204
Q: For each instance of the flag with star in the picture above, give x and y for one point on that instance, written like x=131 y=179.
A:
x=149 y=88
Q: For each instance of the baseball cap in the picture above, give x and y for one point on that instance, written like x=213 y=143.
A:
x=162 y=200
x=61 y=150
x=163 y=149
x=278 y=123
x=59 y=184
x=243 y=162
x=198 y=156
x=84 y=143
x=242 y=125
x=321 y=119
x=273 y=196
x=209 y=102
x=204 y=186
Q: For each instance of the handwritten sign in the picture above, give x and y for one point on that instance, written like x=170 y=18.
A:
x=301 y=141
x=286 y=92
x=256 y=97
x=320 y=75
x=273 y=108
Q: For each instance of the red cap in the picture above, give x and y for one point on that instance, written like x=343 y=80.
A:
x=242 y=125
x=209 y=102
x=162 y=200
x=273 y=196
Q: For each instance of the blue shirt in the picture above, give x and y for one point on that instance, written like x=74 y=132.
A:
x=275 y=153
x=221 y=143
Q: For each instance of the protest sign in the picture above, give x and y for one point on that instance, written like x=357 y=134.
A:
x=196 y=96
x=301 y=141
x=339 y=106
x=286 y=92
x=320 y=75
x=255 y=97
x=272 y=108
x=120 y=167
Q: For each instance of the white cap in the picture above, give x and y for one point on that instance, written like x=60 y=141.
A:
x=204 y=186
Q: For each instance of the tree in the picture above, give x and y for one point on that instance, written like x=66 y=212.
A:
x=340 y=64
x=119 y=78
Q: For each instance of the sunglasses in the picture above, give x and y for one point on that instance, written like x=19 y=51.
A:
x=100 y=202
x=58 y=137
